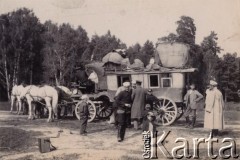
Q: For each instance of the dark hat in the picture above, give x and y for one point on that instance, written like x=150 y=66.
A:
x=138 y=82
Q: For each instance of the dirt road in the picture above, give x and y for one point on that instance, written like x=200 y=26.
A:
x=101 y=142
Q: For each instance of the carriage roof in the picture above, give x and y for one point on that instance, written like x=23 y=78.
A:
x=161 y=71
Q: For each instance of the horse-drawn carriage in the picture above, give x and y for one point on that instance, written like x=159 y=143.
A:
x=167 y=83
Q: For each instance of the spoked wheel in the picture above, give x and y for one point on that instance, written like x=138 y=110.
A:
x=165 y=111
x=104 y=108
x=91 y=108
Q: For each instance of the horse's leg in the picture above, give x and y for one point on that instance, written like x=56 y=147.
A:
x=34 y=109
x=48 y=104
x=19 y=104
x=12 y=103
x=55 y=105
x=29 y=100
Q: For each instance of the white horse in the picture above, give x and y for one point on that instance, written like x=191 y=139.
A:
x=15 y=95
x=35 y=93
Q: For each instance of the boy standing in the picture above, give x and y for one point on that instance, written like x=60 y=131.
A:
x=191 y=99
x=84 y=113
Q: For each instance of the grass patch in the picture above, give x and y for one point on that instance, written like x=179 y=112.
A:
x=14 y=139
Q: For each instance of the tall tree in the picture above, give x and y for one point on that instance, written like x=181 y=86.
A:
x=210 y=50
x=61 y=54
x=229 y=75
x=101 y=45
x=21 y=43
x=186 y=30
x=147 y=52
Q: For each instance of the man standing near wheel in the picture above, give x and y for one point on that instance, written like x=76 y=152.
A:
x=123 y=102
x=84 y=113
x=191 y=99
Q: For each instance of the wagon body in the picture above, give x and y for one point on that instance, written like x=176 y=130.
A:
x=168 y=85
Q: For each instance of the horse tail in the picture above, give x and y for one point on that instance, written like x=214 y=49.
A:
x=55 y=102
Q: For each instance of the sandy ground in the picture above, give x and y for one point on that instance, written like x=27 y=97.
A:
x=101 y=141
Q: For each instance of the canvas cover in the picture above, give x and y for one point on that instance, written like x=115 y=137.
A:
x=113 y=57
x=173 y=55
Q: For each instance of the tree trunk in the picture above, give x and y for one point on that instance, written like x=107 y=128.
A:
x=31 y=72
x=56 y=79
x=17 y=69
x=7 y=77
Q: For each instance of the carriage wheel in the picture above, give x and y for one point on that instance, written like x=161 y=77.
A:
x=104 y=108
x=165 y=111
x=91 y=108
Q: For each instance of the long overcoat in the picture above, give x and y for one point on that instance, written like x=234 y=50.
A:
x=138 y=97
x=214 y=118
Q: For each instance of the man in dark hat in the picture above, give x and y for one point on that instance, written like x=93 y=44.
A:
x=138 y=97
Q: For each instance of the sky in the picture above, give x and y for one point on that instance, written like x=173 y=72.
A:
x=136 y=21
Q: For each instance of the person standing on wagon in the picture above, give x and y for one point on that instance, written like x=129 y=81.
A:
x=214 y=105
x=84 y=113
x=123 y=102
x=191 y=99
x=138 y=97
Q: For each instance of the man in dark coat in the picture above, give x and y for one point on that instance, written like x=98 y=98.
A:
x=84 y=113
x=138 y=97
x=123 y=102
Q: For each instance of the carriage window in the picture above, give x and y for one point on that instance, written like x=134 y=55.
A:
x=166 y=82
x=122 y=78
x=153 y=81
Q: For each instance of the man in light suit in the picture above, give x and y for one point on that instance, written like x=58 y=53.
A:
x=191 y=99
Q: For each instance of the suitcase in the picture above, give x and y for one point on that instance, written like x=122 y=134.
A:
x=44 y=145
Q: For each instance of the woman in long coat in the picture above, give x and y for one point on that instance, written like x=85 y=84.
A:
x=214 y=105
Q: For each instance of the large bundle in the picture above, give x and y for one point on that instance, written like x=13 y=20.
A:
x=173 y=55
x=115 y=60
x=97 y=67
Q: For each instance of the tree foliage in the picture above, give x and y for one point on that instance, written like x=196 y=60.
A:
x=228 y=75
x=20 y=45
x=63 y=50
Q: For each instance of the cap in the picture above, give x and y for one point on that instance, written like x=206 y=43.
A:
x=213 y=83
x=126 y=84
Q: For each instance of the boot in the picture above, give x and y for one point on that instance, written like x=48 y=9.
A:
x=188 y=122
x=119 y=134
x=193 y=122
x=122 y=132
x=135 y=123
x=214 y=132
